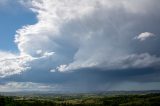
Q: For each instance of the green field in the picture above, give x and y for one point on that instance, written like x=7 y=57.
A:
x=152 y=99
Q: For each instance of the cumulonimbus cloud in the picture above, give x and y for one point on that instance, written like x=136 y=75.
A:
x=71 y=34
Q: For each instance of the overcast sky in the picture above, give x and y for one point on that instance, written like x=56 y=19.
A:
x=79 y=45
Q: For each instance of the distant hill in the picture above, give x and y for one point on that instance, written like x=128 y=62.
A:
x=102 y=93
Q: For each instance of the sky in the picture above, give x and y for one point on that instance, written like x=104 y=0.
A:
x=79 y=45
x=13 y=16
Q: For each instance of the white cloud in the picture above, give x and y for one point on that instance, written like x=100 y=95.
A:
x=145 y=35
x=52 y=70
x=12 y=64
x=62 y=68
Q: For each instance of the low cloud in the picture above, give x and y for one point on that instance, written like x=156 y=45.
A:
x=125 y=62
x=26 y=86
x=11 y=64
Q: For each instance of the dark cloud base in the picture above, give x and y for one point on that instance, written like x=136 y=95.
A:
x=89 y=79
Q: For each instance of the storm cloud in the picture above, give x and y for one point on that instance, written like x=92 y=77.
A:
x=87 y=44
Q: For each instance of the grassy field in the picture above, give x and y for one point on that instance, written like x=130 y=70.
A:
x=152 y=99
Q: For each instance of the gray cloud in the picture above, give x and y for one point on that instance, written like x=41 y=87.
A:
x=90 y=79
